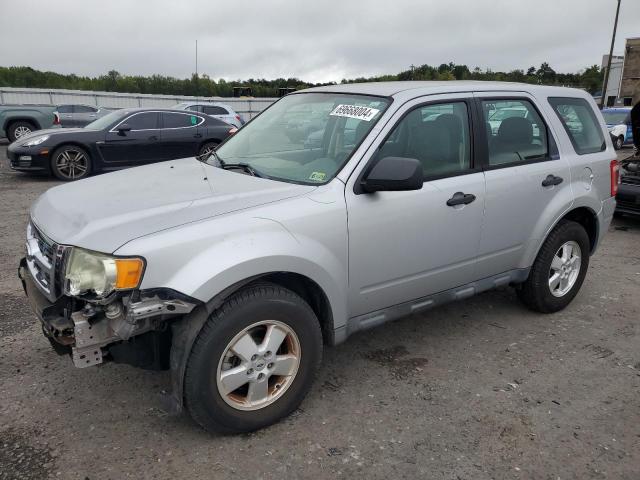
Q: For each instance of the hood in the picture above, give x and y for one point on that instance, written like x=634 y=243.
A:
x=53 y=131
x=104 y=212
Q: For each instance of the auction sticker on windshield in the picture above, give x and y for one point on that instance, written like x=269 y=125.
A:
x=354 y=111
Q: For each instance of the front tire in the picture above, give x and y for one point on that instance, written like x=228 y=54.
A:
x=69 y=163
x=206 y=149
x=559 y=269
x=18 y=130
x=254 y=360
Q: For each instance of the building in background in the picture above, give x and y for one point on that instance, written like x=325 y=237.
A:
x=615 y=77
x=630 y=82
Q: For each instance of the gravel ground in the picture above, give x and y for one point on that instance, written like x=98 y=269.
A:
x=474 y=390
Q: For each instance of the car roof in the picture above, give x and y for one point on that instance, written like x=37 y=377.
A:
x=128 y=111
x=617 y=109
x=419 y=88
x=198 y=102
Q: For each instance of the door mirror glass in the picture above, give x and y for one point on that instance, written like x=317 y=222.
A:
x=123 y=128
x=392 y=174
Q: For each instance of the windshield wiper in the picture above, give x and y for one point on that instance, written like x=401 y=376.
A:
x=244 y=166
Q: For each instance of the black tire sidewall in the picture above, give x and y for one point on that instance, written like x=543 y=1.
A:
x=202 y=398
x=57 y=151
x=619 y=143
x=568 y=231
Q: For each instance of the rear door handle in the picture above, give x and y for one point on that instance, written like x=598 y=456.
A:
x=551 y=180
x=460 y=198
x=197 y=135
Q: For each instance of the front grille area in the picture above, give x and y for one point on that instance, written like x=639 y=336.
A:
x=45 y=260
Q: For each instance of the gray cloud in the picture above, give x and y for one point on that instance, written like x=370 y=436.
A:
x=315 y=41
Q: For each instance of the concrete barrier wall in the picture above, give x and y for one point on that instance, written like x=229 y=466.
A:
x=247 y=107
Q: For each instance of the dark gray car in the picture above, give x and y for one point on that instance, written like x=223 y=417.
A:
x=79 y=115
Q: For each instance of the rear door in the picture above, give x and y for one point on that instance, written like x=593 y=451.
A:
x=181 y=134
x=220 y=113
x=528 y=182
x=138 y=146
x=410 y=244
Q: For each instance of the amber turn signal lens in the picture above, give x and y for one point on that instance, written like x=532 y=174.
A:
x=129 y=272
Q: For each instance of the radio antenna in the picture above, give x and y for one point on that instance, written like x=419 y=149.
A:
x=197 y=78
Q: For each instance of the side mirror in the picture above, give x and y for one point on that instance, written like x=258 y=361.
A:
x=392 y=174
x=123 y=128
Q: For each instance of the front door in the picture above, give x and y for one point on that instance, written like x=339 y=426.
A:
x=406 y=245
x=139 y=145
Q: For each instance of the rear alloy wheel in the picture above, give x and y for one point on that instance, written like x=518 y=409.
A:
x=559 y=269
x=206 y=150
x=18 y=130
x=619 y=142
x=254 y=360
x=70 y=163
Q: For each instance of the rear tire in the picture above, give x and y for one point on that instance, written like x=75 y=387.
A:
x=236 y=380
x=69 y=163
x=18 y=130
x=206 y=149
x=545 y=292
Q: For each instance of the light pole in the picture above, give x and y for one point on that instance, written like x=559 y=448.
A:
x=606 y=73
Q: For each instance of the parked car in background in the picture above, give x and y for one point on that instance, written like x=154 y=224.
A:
x=628 y=198
x=123 y=138
x=618 y=122
x=217 y=110
x=234 y=271
x=79 y=115
x=17 y=121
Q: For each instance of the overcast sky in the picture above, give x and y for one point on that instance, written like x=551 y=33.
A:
x=316 y=41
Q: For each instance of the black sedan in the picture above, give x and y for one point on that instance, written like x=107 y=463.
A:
x=120 y=139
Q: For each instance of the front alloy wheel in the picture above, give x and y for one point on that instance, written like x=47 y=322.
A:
x=70 y=163
x=253 y=361
x=258 y=366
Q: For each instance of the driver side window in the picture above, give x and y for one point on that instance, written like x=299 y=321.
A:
x=437 y=135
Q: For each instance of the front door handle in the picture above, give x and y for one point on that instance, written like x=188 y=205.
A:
x=551 y=180
x=460 y=198
x=197 y=135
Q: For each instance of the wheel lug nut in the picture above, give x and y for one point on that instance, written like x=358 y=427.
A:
x=250 y=371
x=268 y=353
x=270 y=365
x=261 y=376
x=253 y=357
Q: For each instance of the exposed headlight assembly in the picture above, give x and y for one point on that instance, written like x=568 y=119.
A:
x=96 y=274
x=36 y=141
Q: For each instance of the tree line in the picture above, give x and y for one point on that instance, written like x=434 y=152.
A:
x=589 y=79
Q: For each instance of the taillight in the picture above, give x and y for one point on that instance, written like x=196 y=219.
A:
x=614 y=170
x=233 y=130
x=238 y=118
x=56 y=118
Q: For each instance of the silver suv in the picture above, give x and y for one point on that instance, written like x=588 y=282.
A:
x=218 y=110
x=232 y=271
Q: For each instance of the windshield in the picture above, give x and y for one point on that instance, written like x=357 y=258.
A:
x=103 y=122
x=613 y=118
x=304 y=138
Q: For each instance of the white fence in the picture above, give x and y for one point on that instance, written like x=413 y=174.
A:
x=247 y=107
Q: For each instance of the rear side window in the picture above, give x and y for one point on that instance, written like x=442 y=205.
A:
x=65 y=108
x=84 y=109
x=515 y=132
x=214 y=110
x=180 y=120
x=580 y=123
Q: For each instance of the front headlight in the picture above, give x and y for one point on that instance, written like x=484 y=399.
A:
x=36 y=141
x=99 y=274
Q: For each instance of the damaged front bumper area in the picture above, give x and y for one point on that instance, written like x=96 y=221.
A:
x=128 y=328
